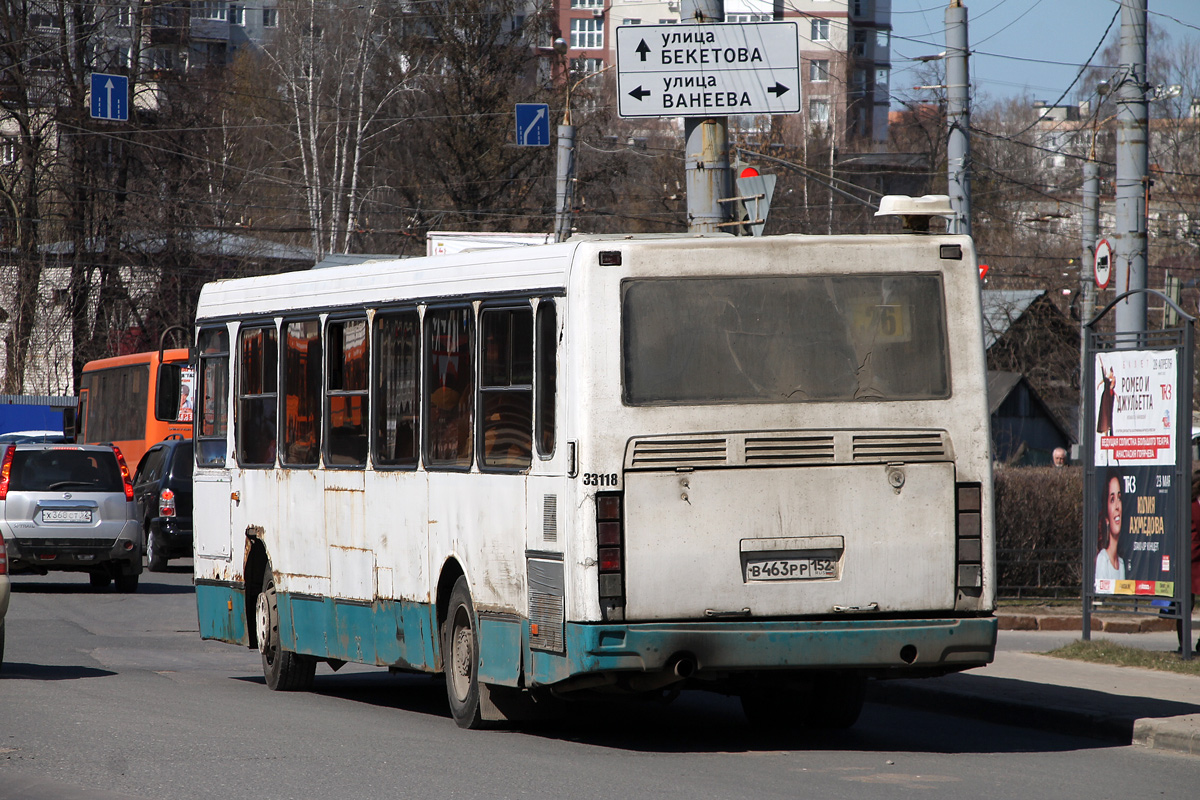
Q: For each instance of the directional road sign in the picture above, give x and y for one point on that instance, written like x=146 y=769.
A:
x=533 y=124
x=703 y=70
x=110 y=96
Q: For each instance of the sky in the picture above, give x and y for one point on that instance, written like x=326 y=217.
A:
x=1022 y=48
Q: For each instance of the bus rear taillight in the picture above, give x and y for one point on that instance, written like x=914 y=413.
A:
x=969 y=538
x=166 y=503
x=6 y=471
x=610 y=547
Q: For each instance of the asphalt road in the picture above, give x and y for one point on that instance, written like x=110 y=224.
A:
x=105 y=696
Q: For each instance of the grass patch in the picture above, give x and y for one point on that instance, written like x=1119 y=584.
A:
x=1100 y=651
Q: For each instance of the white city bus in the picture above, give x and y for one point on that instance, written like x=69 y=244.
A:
x=618 y=464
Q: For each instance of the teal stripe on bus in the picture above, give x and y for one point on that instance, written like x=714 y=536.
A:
x=222 y=611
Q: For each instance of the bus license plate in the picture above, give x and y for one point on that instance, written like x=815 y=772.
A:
x=59 y=515
x=790 y=569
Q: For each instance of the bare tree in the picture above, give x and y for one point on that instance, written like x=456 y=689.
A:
x=338 y=71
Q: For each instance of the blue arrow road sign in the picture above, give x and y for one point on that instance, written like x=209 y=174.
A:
x=533 y=124
x=110 y=96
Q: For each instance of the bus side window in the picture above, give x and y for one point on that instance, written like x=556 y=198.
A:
x=212 y=423
x=346 y=345
x=506 y=388
x=450 y=387
x=301 y=393
x=258 y=397
x=397 y=384
x=546 y=379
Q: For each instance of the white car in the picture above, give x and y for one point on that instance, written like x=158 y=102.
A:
x=22 y=437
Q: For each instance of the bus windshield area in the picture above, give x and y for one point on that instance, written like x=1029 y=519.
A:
x=784 y=339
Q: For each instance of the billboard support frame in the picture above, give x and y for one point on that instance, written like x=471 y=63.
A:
x=1180 y=339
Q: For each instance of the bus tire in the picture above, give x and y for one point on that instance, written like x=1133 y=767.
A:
x=838 y=700
x=831 y=701
x=155 y=558
x=460 y=657
x=283 y=670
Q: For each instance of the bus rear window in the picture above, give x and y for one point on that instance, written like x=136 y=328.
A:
x=784 y=339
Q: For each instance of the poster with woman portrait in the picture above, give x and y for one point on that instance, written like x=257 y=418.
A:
x=1135 y=458
x=1135 y=530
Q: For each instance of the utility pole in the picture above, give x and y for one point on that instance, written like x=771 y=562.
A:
x=706 y=145
x=565 y=178
x=958 y=118
x=1133 y=187
x=1087 y=287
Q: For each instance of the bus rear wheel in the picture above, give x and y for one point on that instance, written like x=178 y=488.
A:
x=829 y=701
x=283 y=670
x=460 y=657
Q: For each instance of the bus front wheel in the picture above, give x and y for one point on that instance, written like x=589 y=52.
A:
x=460 y=657
x=284 y=671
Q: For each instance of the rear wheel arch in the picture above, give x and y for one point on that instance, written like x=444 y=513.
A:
x=451 y=572
x=252 y=574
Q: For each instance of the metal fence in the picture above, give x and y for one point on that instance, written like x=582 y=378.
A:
x=1038 y=573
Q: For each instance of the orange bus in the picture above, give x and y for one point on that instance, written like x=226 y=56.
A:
x=136 y=400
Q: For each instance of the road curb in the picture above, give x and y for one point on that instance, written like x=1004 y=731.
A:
x=1177 y=734
x=1074 y=622
x=1174 y=734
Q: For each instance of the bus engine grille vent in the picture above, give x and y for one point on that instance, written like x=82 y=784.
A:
x=789 y=450
x=669 y=453
x=546 y=622
x=899 y=446
x=550 y=518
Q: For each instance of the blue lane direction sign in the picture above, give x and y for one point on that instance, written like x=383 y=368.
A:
x=533 y=124
x=110 y=96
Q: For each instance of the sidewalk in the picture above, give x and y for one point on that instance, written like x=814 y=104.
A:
x=1120 y=704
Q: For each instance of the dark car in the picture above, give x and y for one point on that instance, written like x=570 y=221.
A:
x=163 y=488
x=69 y=507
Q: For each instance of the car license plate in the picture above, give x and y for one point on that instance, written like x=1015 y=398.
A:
x=61 y=515
x=790 y=569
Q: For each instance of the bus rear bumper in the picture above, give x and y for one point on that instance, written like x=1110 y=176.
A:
x=881 y=647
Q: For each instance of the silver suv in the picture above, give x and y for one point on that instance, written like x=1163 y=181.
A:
x=4 y=588
x=70 y=507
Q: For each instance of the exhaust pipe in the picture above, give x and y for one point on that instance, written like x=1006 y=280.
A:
x=678 y=668
x=685 y=667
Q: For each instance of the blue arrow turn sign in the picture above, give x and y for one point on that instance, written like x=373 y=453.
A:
x=533 y=124
x=110 y=96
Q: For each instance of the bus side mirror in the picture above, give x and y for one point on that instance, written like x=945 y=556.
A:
x=166 y=401
x=68 y=426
